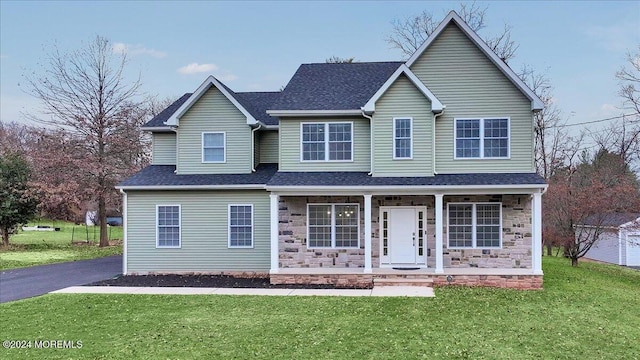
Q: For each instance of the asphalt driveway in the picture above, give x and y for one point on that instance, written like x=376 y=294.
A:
x=37 y=280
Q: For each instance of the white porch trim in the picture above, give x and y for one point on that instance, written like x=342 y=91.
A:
x=439 y=235
x=536 y=236
x=273 y=211
x=367 y=233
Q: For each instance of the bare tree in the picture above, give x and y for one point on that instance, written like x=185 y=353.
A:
x=85 y=92
x=339 y=60
x=407 y=35
x=623 y=138
x=629 y=78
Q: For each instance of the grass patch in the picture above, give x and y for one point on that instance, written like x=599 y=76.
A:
x=29 y=248
x=585 y=312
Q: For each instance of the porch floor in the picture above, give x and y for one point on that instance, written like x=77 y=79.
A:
x=391 y=271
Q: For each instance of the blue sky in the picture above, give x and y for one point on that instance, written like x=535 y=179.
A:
x=255 y=46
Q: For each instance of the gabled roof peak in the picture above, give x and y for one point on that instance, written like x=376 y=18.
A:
x=452 y=16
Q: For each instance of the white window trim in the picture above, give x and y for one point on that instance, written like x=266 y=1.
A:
x=410 y=138
x=229 y=227
x=481 y=157
x=474 y=226
x=326 y=141
x=333 y=226
x=158 y=246
x=224 y=147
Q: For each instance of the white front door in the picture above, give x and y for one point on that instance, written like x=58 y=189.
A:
x=402 y=235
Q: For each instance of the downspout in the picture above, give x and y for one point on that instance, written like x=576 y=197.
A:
x=253 y=146
x=175 y=130
x=124 y=231
x=433 y=143
x=370 y=141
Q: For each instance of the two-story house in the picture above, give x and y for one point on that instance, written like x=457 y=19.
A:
x=354 y=172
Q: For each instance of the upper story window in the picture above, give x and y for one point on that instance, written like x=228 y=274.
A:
x=213 y=147
x=402 y=138
x=326 y=141
x=481 y=138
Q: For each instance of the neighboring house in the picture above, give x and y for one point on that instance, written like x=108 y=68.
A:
x=619 y=243
x=353 y=172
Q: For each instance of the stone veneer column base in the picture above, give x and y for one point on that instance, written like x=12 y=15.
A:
x=522 y=282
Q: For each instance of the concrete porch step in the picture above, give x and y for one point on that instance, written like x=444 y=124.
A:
x=402 y=282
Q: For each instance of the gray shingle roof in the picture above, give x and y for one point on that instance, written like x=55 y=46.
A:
x=164 y=175
x=164 y=115
x=611 y=219
x=257 y=103
x=345 y=86
x=362 y=179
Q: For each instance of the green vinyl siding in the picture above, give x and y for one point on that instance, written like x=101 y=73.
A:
x=213 y=112
x=163 y=150
x=403 y=100
x=471 y=86
x=268 y=144
x=290 y=146
x=204 y=232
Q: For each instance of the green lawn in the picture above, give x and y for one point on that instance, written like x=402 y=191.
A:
x=28 y=248
x=589 y=312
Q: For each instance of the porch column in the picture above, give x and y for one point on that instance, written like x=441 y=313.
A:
x=439 y=256
x=367 y=233
x=536 y=233
x=274 y=213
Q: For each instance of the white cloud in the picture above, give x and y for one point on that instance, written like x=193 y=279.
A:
x=226 y=76
x=608 y=107
x=195 y=68
x=137 y=50
x=616 y=37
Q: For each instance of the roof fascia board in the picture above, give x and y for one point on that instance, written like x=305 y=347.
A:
x=284 y=113
x=202 y=89
x=158 y=129
x=193 y=187
x=408 y=190
x=436 y=105
x=536 y=102
x=635 y=222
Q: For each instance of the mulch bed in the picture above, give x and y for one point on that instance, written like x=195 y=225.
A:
x=210 y=281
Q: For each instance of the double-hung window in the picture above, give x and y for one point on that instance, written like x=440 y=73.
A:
x=241 y=226
x=168 y=226
x=213 y=147
x=402 y=138
x=326 y=141
x=333 y=225
x=474 y=225
x=482 y=138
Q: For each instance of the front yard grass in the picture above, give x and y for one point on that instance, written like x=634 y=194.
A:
x=589 y=312
x=29 y=248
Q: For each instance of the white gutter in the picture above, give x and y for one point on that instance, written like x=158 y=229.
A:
x=124 y=232
x=407 y=187
x=433 y=143
x=193 y=187
x=370 y=141
x=313 y=112
x=253 y=147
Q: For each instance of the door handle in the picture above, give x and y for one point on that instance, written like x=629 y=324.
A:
x=414 y=239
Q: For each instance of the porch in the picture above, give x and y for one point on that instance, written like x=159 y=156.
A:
x=515 y=261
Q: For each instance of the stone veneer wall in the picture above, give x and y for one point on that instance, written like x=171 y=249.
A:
x=514 y=253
